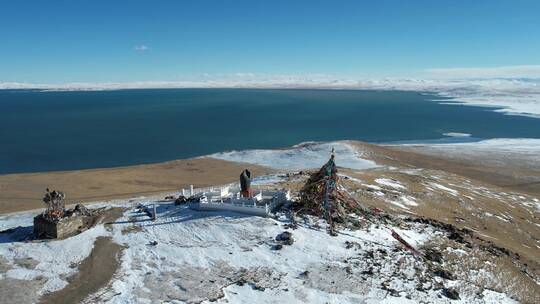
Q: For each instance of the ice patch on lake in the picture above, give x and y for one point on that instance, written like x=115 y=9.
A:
x=303 y=156
x=457 y=134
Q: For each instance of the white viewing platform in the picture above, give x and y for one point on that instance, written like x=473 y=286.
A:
x=228 y=199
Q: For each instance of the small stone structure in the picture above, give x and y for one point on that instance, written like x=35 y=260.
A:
x=65 y=227
x=73 y=222
x=56 y=222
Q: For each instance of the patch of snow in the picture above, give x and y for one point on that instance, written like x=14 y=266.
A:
x=268 y=179
x=390 y=183
x=408 y=200
x=303 y=156
x=203 y=239
x=415 y=171
x=524 y=148
x=55 y=257
x=23 y=219
x=444 y=188
x=399 y=204
x=374 y=187
x=491 y=296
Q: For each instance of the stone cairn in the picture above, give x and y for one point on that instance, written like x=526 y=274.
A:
x=324 y=196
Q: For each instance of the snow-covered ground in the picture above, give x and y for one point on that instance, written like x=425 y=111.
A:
x=515 y=149
x=511 y=96
x=390 y=183
x=526 y=146
x=54 y=260
x=229 y=258
x=302 y=156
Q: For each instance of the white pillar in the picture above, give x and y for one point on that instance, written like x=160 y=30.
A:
x=191 y=190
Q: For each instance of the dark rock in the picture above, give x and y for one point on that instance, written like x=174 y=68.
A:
x=285 y=238
x=277 y=247
x=445 y=274
x=352 y=244
x=496 y=250
x=304 y=274
x=433 y=255
x=369 y=254
x=456 y=237
x=369 y=271
x=450 y=293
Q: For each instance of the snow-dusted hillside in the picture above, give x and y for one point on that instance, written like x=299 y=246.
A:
x=193 y=256
x=228 y=257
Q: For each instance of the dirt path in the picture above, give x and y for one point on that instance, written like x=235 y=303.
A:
x=94 y=272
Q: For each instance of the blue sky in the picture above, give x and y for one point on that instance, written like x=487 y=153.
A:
x=122 y=41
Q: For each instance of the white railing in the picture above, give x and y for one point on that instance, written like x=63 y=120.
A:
x=225 y=189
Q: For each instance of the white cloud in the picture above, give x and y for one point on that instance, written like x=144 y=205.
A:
x=513 y=71
x=141 y=48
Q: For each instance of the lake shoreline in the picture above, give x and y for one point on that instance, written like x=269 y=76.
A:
x=24 y=191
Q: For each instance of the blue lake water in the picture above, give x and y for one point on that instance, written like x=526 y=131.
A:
x=49 y=131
